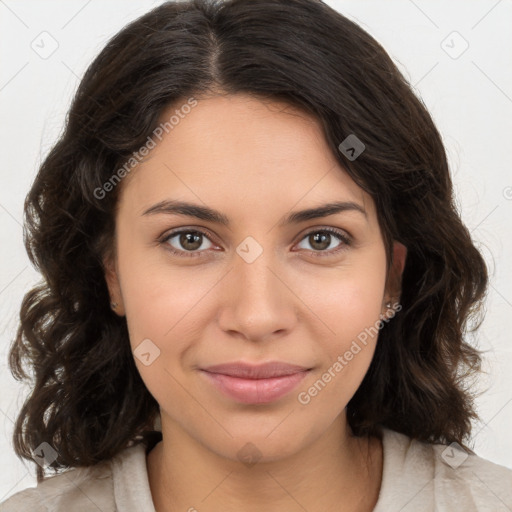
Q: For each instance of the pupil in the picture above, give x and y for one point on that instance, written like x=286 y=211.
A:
x=319 y=237
x=188 y=238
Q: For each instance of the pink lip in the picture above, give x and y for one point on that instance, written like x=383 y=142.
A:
x=255 y=384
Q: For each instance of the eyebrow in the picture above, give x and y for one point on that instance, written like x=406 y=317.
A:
x=208 y=214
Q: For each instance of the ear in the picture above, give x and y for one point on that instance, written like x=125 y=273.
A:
x=394 y=279
x=113 y=284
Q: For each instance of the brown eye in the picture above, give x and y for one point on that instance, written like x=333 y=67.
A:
x=187 y=243
x=190 y=241
x=320 y=240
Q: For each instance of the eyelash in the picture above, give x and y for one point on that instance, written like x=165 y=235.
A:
x=346 y=242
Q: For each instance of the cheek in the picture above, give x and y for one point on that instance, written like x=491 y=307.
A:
x=348 y=304
x=347 y=300
x=155 y=297
x=162 y=307
x=352 y=312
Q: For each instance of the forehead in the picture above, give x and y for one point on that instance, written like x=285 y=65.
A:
x=236 y=149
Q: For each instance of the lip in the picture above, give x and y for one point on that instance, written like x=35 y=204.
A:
x=255 y=384
x=255 y=371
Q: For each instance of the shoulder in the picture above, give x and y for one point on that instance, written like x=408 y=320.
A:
x=80 y=489
x=76 y=489
x=425 y=477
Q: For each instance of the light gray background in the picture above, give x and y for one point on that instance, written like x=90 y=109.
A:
x=469 y=95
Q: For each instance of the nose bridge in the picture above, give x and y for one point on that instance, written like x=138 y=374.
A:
x=252 y=270
x=258 y=303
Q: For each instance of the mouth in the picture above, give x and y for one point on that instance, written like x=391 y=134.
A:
x=255 y=384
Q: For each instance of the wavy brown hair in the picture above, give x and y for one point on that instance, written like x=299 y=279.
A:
x=87 y=398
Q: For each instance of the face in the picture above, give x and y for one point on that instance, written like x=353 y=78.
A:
x=263 y=286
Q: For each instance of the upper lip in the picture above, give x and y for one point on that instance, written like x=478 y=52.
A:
x=256 y=371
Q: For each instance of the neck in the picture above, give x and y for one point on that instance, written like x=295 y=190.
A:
x=337 y=471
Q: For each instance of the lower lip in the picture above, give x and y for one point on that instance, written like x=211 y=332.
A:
x=255 y=391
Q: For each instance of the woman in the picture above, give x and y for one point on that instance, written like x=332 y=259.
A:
x=256 y=283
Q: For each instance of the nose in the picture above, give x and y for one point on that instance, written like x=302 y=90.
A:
x=257 y=301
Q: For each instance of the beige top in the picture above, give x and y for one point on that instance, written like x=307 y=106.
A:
x=417 y=477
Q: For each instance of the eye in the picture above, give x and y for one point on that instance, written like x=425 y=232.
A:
x=321 y=239
x=188 y=240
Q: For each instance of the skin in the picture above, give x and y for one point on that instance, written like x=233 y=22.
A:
x=263 y=161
